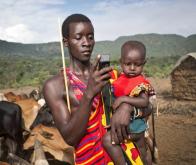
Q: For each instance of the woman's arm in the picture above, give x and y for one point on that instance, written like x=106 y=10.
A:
x=73 y=126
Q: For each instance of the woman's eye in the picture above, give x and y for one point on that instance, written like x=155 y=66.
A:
x=91 y=37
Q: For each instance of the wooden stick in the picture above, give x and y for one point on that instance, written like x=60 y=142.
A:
x=157 y=108
x=64 y=67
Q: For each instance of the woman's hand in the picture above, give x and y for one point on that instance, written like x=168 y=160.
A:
x=119 y=123
x=97 y=79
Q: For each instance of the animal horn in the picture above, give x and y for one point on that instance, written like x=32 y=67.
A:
x=40 y=158
x=18 y=159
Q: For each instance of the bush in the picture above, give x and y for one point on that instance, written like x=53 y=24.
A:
x=15 y=71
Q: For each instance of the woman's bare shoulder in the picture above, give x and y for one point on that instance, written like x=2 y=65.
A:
x=53 y=83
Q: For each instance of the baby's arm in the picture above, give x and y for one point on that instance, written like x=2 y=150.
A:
x=140 y=101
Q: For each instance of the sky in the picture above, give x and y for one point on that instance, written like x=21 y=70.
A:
x=36 y=21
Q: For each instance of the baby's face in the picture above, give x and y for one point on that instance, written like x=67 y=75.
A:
x=132 y=63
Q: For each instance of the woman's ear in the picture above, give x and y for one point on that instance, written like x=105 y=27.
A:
x=65 y=41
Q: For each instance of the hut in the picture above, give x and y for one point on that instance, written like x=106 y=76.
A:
x=183 y=77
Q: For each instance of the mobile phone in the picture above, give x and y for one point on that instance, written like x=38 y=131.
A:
x=104 y=61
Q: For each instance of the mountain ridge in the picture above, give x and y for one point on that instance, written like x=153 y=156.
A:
x=156 y=45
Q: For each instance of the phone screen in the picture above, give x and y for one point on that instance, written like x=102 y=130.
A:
x=104 y=61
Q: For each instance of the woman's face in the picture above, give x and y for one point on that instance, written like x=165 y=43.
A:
x=80 y=41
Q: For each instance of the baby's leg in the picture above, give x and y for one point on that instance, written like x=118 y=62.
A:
x=114 y=151
x=139 y=140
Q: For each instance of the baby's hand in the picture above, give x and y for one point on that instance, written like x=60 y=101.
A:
x=117 y=102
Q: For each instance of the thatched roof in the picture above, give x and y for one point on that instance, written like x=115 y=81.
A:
x=183 y=58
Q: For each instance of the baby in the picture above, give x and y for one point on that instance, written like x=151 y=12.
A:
x=131 y=87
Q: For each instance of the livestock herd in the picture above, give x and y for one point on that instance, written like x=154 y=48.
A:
x=28 y=132
x=24 y=122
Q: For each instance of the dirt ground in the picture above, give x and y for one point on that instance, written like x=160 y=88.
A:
x=175 y=125
x=176 y=138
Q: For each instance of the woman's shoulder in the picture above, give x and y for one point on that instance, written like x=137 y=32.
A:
x=55 y=81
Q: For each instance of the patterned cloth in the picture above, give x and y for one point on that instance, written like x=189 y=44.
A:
x=90 y=150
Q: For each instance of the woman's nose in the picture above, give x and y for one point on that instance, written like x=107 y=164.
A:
x=86 y=41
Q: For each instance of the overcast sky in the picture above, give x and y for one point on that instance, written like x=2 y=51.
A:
x=36 y=21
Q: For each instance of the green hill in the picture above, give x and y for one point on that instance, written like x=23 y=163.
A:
x=156 y=44
x=31 y=64
x=25 y=50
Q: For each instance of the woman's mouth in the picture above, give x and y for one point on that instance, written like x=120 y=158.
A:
x=87 y=52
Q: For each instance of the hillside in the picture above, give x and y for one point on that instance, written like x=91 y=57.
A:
x=12 y=49
x=31 y=64
x=157 y=45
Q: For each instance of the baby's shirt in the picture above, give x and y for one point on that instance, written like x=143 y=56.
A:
x=131 y=86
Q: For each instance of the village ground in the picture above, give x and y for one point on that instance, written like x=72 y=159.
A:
x=175 y=125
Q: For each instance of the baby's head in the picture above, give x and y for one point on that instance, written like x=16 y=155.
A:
x=133 y=58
